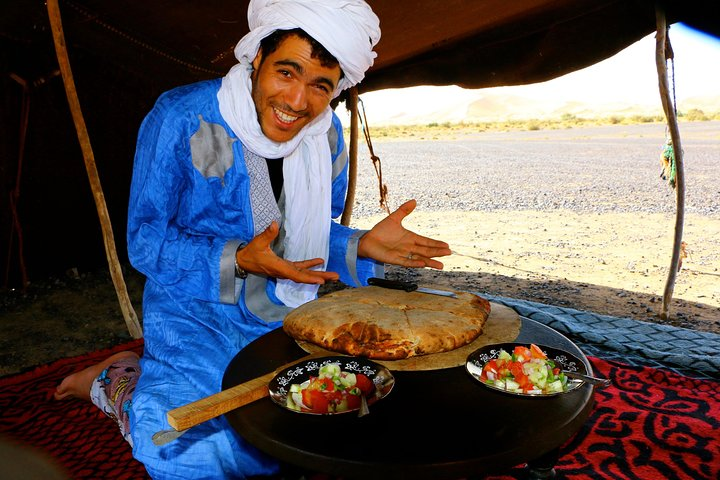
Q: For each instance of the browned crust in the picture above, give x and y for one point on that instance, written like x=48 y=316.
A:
x=389 y=324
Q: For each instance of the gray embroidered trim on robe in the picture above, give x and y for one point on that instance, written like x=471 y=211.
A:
x=265 y=209
x=262 y=199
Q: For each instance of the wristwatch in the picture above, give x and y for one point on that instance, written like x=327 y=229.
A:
x=239 y=271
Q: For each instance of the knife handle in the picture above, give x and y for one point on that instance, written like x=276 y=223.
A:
x=394 y=284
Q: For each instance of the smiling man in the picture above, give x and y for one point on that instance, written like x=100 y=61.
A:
x=289 y=86
x=235 y=187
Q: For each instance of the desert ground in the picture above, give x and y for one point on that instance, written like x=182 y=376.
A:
x=577 y=217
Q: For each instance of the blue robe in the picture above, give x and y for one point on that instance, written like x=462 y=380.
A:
x=190 y=208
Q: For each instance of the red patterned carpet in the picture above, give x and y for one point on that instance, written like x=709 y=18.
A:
x=649 y=424
x=80 y=438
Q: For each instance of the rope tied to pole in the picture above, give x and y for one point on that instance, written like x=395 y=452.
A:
x=377 y=164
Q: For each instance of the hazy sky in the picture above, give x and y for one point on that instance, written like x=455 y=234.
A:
x=629 y=76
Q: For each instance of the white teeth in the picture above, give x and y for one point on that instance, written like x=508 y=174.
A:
x=284 y=116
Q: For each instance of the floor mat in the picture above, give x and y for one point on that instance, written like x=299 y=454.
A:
x=80 y=439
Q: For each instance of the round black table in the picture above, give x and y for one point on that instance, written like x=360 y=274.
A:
x=434 y=424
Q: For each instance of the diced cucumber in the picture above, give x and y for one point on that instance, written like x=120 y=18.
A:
x=348 y=379
x=291 y=404
x=555 y=387
x=342 y=405
x=504 y=355
x=296 y=399
x=330 y=370
x=537 y=373
x=511 y=385
x=295 y=388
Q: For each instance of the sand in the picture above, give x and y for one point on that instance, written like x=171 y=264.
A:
x=614 y=264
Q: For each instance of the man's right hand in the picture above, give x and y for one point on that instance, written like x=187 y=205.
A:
x=257 y=257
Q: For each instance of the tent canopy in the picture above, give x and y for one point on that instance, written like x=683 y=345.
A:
x=125 y=53
x=471 y=43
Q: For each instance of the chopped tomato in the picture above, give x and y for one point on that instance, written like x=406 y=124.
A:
x=334 y=396
x=516 y=368
x=306 y=398
x=524 y=382
x=315 y=400
x=491 y=366
x=536 y=352
x=353 y=401
x=504 y=369
x=322 y=384
x=364 y=383
x=518 y=374
x=522 y=353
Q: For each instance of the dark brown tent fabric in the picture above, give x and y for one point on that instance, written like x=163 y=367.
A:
x=125 y=53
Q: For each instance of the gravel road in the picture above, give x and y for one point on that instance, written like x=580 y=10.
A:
x=588 y=170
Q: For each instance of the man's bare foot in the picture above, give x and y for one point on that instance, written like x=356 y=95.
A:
x=78 y=384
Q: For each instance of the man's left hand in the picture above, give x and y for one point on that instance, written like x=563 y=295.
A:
x=390 y=242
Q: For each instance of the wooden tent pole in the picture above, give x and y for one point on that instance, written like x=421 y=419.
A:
x=661 y=57
x=115 y=270
x=352 y=181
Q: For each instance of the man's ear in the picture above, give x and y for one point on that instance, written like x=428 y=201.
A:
x=257 y=60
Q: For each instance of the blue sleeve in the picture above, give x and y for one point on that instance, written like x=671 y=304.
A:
x=353 y=270
x=163 y=241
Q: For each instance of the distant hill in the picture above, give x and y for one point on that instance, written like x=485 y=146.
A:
x=497 y=106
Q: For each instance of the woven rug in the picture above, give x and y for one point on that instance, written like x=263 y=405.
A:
x=78 y=438
x=650 y=423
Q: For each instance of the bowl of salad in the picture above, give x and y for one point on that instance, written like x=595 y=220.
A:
x=330 y=385
x=525 y=369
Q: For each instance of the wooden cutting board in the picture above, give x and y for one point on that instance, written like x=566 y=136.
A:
x=503 y=325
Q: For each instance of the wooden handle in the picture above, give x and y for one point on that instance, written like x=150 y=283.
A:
x=202 y=410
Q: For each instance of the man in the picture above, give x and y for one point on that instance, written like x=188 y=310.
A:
x=234 y=189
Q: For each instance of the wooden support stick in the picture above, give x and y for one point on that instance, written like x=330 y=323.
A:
x=661 y=43
x=111 y=252
x=353 y=153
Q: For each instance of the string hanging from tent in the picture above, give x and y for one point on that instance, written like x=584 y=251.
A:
x=375 y=159
x=667 y=157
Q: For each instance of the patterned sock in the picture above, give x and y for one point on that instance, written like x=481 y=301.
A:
x=112 y=392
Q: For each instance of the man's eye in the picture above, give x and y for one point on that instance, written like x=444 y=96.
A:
x=284 y=73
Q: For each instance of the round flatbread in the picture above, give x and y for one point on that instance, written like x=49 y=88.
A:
x=387 y=324
x=502 y=326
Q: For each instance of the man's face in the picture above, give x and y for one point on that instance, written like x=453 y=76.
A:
x=290 y=88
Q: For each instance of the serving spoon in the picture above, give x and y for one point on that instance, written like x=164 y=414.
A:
x=598 y=382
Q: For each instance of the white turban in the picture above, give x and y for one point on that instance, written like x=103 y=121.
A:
x=349 y=30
